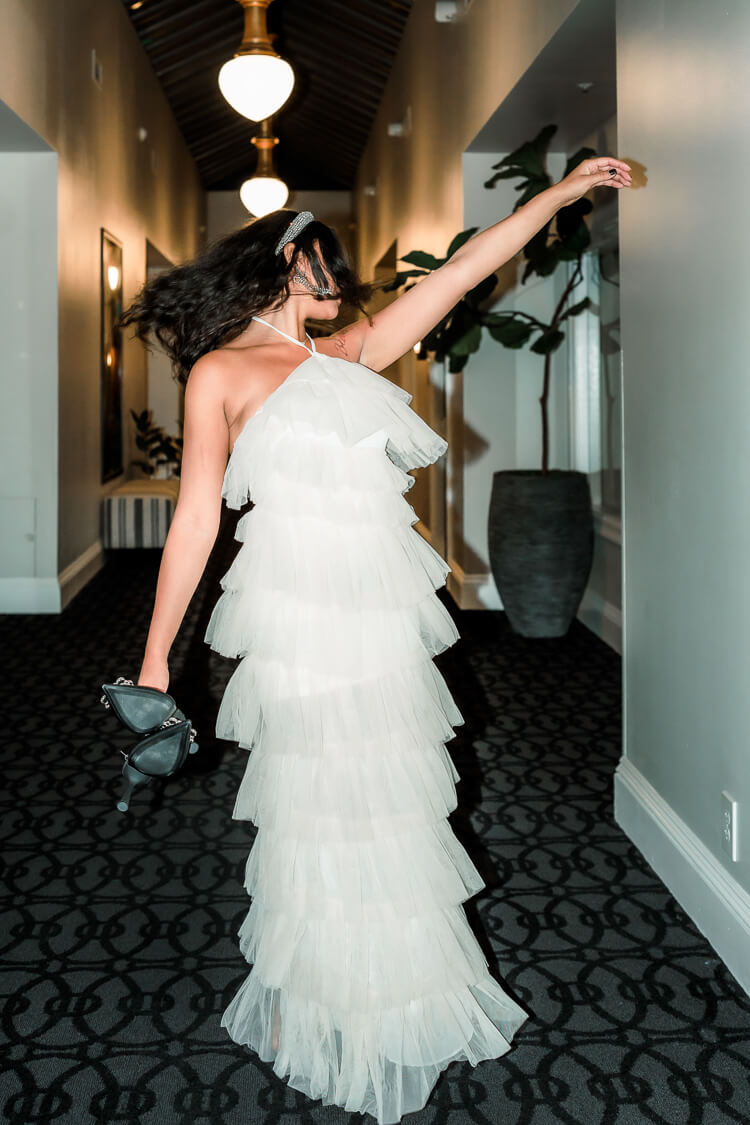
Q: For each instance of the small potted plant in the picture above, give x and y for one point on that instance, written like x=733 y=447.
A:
x=540 y=522
x=163 y=453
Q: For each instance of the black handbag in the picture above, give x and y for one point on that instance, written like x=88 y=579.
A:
x=169 y=735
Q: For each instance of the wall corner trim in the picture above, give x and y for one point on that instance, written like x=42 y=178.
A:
x=603 y=619
x=75 y=576
x=706 y=891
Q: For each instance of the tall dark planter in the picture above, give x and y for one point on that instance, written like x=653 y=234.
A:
x=541 y=535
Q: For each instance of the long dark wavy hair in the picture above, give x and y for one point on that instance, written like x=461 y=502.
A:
x=198 y=307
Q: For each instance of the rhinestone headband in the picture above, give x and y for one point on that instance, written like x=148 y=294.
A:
x=294 y=228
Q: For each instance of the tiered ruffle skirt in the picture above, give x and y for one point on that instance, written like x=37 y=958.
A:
x=366 y=980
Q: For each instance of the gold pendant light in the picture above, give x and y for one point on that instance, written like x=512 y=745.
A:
x=256 y=82
x=264 y=191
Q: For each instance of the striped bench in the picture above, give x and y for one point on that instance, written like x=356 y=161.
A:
x=138 y=513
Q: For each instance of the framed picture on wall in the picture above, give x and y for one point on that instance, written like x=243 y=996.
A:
x=111 y=368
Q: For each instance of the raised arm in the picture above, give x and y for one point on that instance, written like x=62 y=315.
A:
x=195 y=523
x=399 y=326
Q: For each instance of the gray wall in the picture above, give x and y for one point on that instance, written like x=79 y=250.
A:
x=106 y=177
x=682 y=120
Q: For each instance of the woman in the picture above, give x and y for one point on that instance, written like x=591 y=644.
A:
x=367 y=980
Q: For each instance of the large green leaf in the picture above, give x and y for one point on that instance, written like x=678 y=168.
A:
x=536 y=249
x=423 y=259
x=544 y=265
x=512 y=332
x=506 y=174
x=529 y=189
x=529 y=158
x=549 y=341
x=459 y=241
x=576 y=158
x=432 y=341
x=401 y=277
x=469 y=342
x=574 y=310
x=568 y=219
x=482 y=291
x=575 y=244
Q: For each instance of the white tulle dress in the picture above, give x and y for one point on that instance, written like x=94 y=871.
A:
x=367 y=980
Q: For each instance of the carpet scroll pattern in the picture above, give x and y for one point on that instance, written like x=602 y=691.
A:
x=118 y=947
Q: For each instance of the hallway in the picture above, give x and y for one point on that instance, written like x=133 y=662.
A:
x=119 y=942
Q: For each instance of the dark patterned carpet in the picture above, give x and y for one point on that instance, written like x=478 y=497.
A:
x=118 y=949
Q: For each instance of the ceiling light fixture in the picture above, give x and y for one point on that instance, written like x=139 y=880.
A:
x=256 y=82
x=264 y=191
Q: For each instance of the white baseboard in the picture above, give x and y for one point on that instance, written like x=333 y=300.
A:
x=704 y=888
x=80 y=571
x=472 y=591
x=51 y=595
x=602 y=618
x=29 y=595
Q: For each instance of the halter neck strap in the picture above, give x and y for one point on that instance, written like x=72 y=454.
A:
x=310 y=349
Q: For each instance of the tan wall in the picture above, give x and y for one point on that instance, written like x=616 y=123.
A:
x=107 y=178
x=454 y=76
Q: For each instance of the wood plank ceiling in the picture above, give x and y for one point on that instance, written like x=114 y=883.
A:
x=341 y=52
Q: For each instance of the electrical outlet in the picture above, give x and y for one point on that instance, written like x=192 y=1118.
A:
x=729 y=841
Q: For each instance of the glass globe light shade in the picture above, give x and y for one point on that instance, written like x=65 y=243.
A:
x=262 y=194
x=256 y=85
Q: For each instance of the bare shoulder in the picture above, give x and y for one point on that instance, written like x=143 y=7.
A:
x=213 y=377
x=209 y=389
x=208 y=372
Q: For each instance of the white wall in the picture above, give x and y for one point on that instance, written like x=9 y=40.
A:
x=107 y=177
x=684 y=98
x=28 y=372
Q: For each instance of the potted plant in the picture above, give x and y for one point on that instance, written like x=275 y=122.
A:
x=163 y=452
x=540 y=522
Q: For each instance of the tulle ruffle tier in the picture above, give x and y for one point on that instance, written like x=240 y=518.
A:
x=390 y=787
x=324 y=564
x=437 y=953
x=383 y=1061
x=316 y=713
x=334 y=640
x=331 y=401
